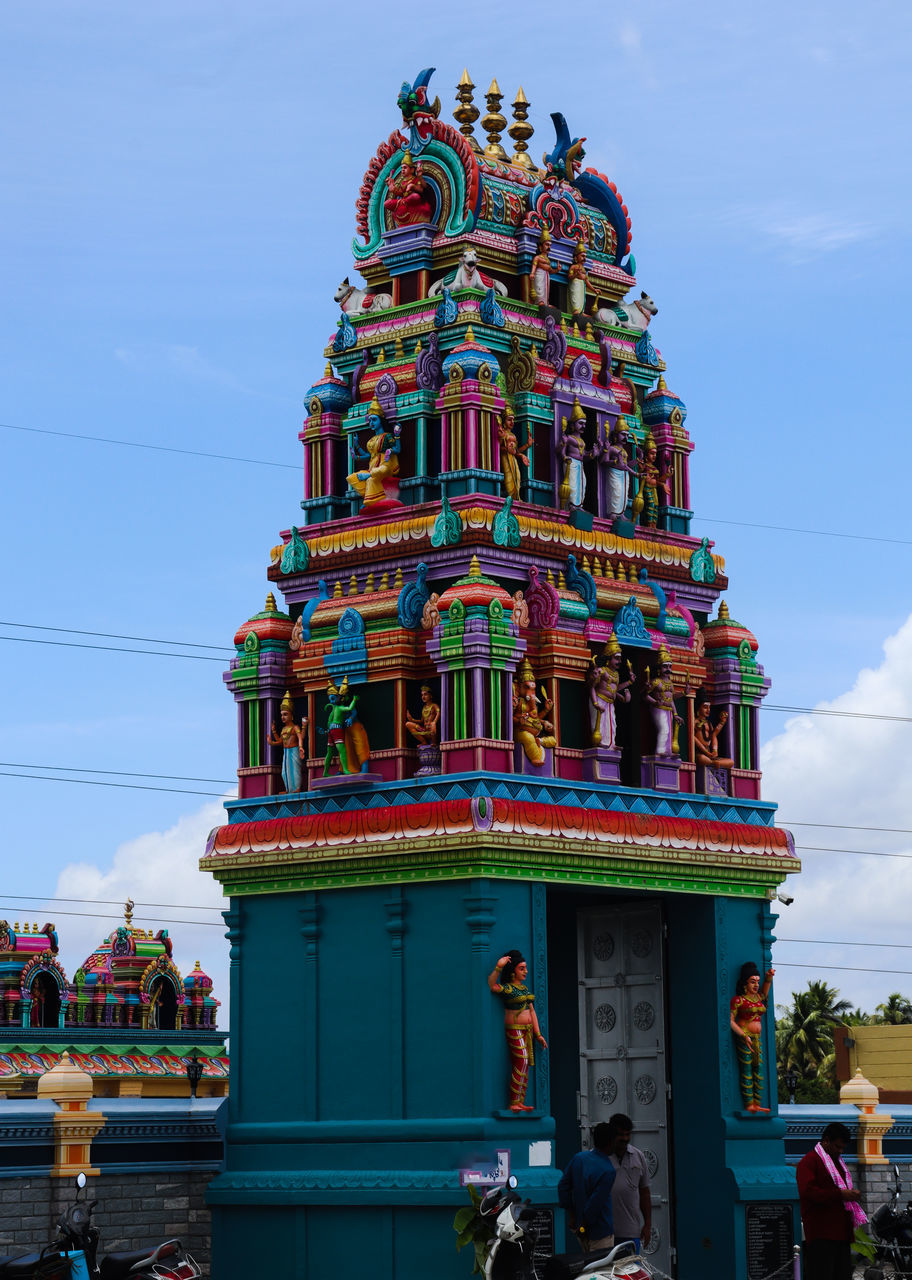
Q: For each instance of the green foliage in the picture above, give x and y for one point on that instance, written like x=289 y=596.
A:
x=863 y=1244
x=804 y=1030
x=472 y=1228
x=895 y=1011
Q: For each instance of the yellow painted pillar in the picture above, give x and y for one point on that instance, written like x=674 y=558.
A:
x=74 y=1125
x=872 y=1124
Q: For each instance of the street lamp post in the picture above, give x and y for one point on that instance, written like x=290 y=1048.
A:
x=194 y=1072
x=790 y=1079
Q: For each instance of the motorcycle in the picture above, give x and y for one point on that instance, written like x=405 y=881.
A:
x=74 y=1254
x=512 y=1252
x=891 y=1226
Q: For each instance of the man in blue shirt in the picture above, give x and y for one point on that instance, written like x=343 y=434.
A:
x=585 y=1192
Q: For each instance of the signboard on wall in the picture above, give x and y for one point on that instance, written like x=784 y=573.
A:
x=769 y=1237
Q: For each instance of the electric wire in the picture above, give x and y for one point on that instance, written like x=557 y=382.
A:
x=113 y=635
x=264 y=462
x=110 y=902
x=111 y=648
x=97 y=782
x=117 y=773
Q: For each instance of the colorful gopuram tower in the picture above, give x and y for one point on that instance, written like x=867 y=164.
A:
x=503 y=707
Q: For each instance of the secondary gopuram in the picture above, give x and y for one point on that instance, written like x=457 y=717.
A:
x=499 y=742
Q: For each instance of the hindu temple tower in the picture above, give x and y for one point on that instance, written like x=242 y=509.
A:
x=500 y=705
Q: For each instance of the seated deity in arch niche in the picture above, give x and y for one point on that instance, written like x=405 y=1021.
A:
x=410 y=200
x=530 y=729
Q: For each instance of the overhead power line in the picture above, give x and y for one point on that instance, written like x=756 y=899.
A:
x=841 y=942
x=111 y=648
x=287 y=466
x=112 y=635
x=109 y=902
x=839 y=968
x=92 y=782
x=98 y=915
x=117 y=773
x=157 y=448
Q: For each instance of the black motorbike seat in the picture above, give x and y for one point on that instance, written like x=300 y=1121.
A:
x=116 y=1265
x=32 y=1264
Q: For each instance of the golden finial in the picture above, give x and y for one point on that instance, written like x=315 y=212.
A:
x=380 y=355
x=270 y=604
x=474 y=567
x=599 y=571
x=661 y=384
x=470 y=336
x=385 y=581
x=590 y=336
x=521 y=131
x=724 y=615
x=25 y=927
x=337 y=590
x=466 y=113
x=353 y=586
x=369 y=585
x=328 y=371
x=533 y=352
x=632 y=574
x=561 y=580
x=399 y=349
x=16 y=927
x=550 y=577
x=128 y=912
x=397 y=581
x=564 y=323
x=587 y=565
x=196 y=967
x=494 y=123
x=417 y=346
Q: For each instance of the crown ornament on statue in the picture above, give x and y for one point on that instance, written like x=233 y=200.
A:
x=525 y=672
x=612 y=647
x=375 y=407
x=287 y=703
x=337 y=690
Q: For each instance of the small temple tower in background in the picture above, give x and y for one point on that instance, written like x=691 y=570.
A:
x=502 y=709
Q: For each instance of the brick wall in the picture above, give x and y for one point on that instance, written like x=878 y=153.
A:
x=133 y=1210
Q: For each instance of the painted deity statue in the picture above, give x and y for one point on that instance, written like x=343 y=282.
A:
x=426 y=727
x=410 y=200
x=530 y=730
x=507 y=979
x=605 y=687
x=660 y=696
x=291 y=738
x=577 y=281
x=512 y=453
x=572 y=450
x=747 y=1009
x=617 y=460
x=540 y=271
x=377 y=481
x=346 y=736
x=706 y=737
x=652 y=479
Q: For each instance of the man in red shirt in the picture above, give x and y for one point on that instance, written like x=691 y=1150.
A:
x=829 y=1227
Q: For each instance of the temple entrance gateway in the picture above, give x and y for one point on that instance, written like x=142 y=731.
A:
x=622 y=1042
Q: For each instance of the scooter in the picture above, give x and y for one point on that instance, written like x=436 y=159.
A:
x=892 y=1233
x=511 y=1255
x=74 y=1254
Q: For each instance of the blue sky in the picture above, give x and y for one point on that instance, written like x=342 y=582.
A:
x=178 y=188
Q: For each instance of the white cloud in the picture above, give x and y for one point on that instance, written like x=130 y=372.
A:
x=181 y=359
x=159 y=867
x=798 y=235
x=629 y=36
x=845 y=772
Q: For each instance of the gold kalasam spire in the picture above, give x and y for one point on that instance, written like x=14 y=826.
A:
x=494 y=123
x=474 y=568
x=521 y=131
x=466 y=113
x=270 y=604
x=128 y=912
x=724 y=615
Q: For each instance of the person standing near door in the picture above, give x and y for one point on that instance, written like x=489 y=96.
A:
x=631 y=1197
x=585 y=1192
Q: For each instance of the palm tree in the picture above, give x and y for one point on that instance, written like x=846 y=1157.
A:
x=896 y=1010
x=804 y=1031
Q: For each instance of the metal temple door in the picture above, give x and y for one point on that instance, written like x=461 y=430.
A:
x=622 y=1042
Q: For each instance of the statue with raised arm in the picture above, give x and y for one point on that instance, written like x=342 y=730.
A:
x=512 y=453
x=291 y=738
x=377 y=480
x=605 y=687
x=660 y=696
x=706 y=737
x=747 y=1009
x=346 y=736
x=507 y=980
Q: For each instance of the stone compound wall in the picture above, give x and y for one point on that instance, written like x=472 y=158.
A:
x=134 y=1210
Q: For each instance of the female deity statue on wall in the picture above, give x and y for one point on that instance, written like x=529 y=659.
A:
x=605 y=687
x=507 y=980
x=577 y=281
x=377 y=482
x=530 y=730
x=652 y=478
x=292 y=739
x=706 y=737
x=747 y=1009
x=512 y=453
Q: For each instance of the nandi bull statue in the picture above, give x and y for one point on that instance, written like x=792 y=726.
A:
x=357 y=302
x=467 y=276
x=629 y=315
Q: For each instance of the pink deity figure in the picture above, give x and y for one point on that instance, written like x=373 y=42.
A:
x=540 y=271
x=660 y=696
x=292 y=739
x=530 y=729
x=512 y=453
x=426 y=727
x=605 y=687
x=748 y=1006
x=507 y=979
x=706 y=737
x=410 y=200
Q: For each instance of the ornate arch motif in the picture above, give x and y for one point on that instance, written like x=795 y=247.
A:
x=46 y=963
x=160 y=967
x=448 y=160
